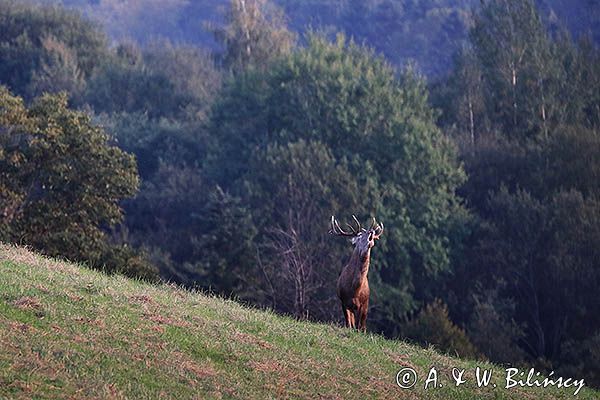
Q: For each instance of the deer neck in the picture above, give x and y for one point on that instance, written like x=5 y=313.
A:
x=361 y=261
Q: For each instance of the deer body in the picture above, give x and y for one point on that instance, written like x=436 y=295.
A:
x=353 y=284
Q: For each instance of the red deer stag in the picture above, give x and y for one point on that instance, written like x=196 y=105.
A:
x=353 y=285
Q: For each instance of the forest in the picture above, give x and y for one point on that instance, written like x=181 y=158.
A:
x=208 y=144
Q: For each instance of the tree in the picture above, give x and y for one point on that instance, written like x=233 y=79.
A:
x=530 y=246
x=161 y=80
x=343 y=96
x=534 y=247
x=15 y=124
x=47 y=48
x=124 y=84
x=516 y=55
x=432 y=326
x=197 y=234
x=532 y=185
x=293 y=191
x=59 y=71
x=582 y=76
x=462 y=98
x=519 y=80
x=67 y=180
x=192 y=73
x=493 y=330
x=255 y=34
x=223 y=248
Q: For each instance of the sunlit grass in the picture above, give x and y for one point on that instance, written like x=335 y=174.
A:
x=69 y=332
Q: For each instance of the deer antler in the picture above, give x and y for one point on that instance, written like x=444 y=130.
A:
x=377 y=228
x=337 y=230
x=359 y=228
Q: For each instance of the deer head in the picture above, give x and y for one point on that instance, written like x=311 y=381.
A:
x=361 y=238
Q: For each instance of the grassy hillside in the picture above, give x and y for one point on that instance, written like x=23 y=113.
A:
x=68 y=332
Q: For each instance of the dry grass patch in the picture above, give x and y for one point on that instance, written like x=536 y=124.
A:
x=28 y=303
x=142 y=299
x=398 y=358
x=265 y=366
x=203 y=371
x=111 y=392
x=159 y=319
x=19 y=327
x=73 y=297
x=247 y=338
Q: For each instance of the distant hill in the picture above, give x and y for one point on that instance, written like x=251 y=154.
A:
x=427 y=32
x=69 y=332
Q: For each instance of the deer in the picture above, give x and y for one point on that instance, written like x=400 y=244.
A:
x=353 y=284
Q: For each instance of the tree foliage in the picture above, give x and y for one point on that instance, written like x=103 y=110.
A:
x=254 y=34
x=432 y=326
x=46 y=49
x=342 y=97
x=520 y=101
x=161 y=81
x=64 y=178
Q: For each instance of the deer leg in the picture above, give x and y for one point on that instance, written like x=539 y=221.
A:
x=362 y=322
x=362 y=311
x=356 y=315
x=346 y=316
x=351 y=319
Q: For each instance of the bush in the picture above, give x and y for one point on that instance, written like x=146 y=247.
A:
x=433 y=327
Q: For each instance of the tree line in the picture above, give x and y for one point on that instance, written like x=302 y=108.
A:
x=220 y=169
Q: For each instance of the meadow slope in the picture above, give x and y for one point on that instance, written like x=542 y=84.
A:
x=69 y=332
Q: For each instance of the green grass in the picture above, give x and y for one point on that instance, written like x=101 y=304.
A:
x=69 y=332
